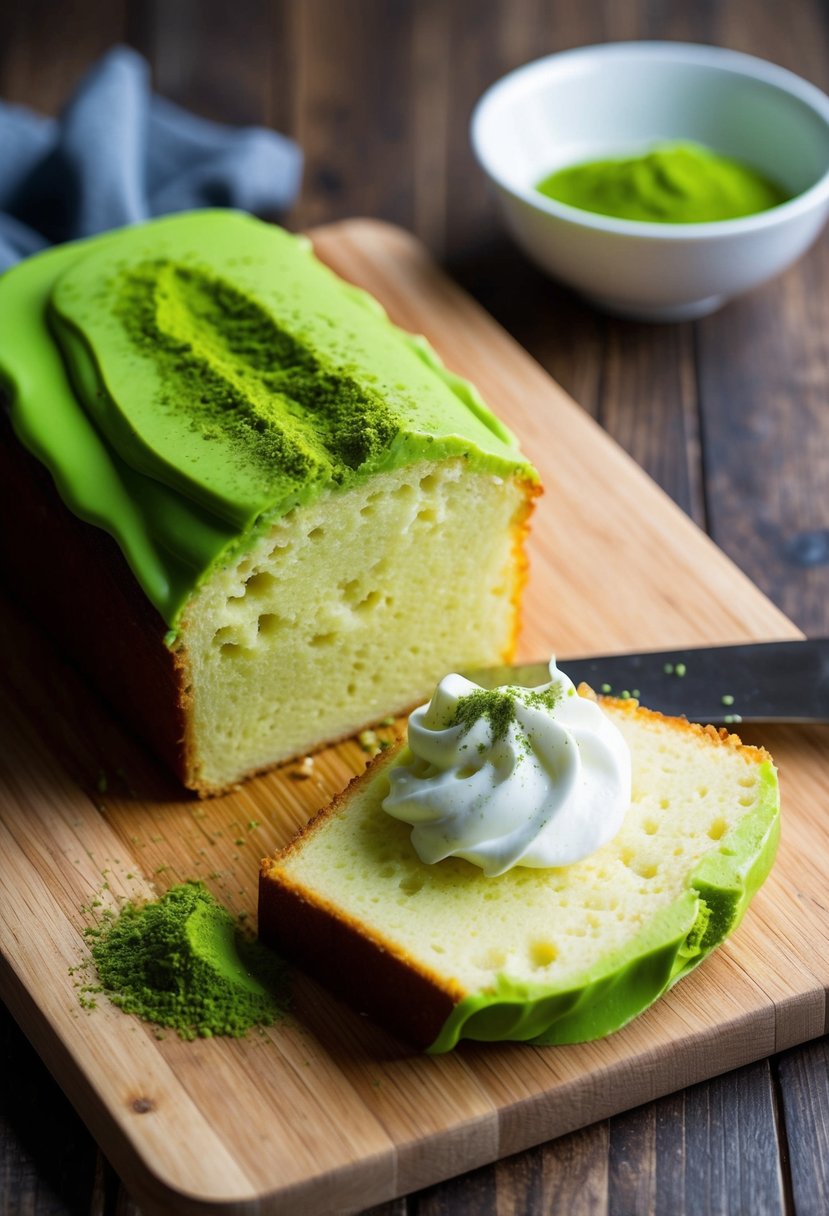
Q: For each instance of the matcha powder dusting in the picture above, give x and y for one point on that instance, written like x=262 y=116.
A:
x=181 y=962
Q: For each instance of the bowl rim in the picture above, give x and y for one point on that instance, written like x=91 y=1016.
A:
x=738 y=63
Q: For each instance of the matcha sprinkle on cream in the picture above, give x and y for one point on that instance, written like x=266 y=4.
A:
x=510 y=776
x=497 y=706
x=181 y=962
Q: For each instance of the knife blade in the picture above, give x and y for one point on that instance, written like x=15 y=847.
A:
x=721 y=685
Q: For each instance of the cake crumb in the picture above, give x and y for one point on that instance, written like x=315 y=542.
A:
x=369 y=742
x=304 y=769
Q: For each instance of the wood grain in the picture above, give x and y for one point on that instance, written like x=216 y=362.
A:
x=803 y=1079
x=325 y=1110
x=252 y=61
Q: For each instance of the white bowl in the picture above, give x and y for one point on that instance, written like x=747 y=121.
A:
x=603 y=101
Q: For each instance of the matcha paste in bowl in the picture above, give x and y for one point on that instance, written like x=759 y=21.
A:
x=677 y=183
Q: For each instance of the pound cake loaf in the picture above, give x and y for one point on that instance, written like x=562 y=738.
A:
x=259 y=514
x=439 y=952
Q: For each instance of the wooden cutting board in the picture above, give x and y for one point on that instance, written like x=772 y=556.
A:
x=325 y=1112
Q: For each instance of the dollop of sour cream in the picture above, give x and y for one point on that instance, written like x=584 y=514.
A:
x=511 y=776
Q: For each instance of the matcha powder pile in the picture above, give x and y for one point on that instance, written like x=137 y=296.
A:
x=182 y=963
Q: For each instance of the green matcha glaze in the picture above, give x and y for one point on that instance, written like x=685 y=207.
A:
x=671 y=184
x=626 y=982
x=189 y=380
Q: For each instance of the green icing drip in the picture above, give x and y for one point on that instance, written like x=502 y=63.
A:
x=189 y=380
x=182 y=963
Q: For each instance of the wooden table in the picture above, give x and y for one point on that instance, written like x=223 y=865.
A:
x=730 y=415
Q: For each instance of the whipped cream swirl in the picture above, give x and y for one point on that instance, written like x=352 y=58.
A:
x=513 y=776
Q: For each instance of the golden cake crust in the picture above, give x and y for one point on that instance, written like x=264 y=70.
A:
x=75 y=581
x=403 y=992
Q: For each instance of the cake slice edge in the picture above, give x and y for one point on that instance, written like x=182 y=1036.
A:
x=433 y=1012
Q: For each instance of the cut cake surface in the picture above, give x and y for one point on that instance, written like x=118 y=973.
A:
x=320 y=517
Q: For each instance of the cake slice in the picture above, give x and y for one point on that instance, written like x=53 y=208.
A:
x=273 y=518
x=441 y=952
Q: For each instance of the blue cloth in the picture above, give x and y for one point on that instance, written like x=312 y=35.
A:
x=118 y=154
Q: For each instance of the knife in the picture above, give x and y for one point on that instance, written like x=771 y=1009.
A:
x=721 y=685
